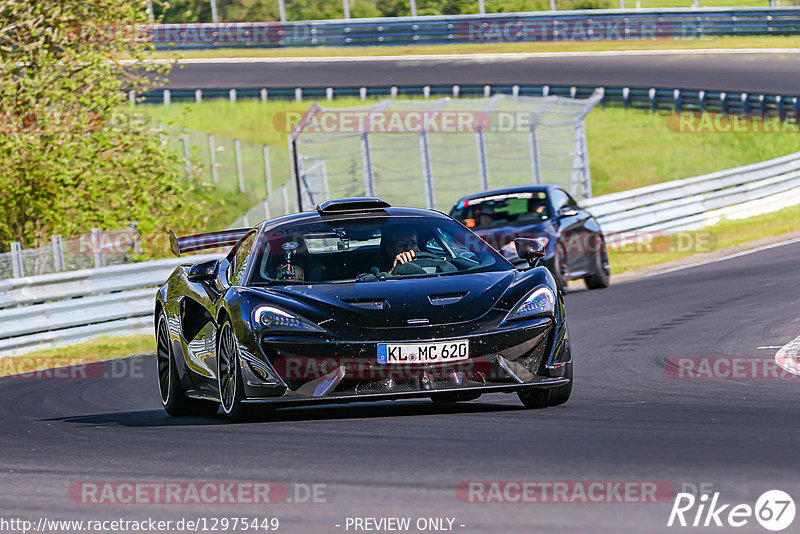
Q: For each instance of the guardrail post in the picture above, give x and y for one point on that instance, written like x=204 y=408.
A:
x=167 y=96
x=264 y=95
x=237 y=148
x=426 y=91
x=232 y=95
x=723 y=98
x=676 y=105
x=58 y=253
x=198 y=96
x=487 y=91
x=212 y=150
x=456 y=90
x=16 y=260
x=298 y=94
x=653 y=103
x=329 y=93
x=780 y=107
x=98 y=256
x=132 y=98
x=626 y=97
x=796 y=106
x=393 y=91
x=702 y=97
x=362 y=92
x=515 y=90
x=745 y=104
x=762 y=101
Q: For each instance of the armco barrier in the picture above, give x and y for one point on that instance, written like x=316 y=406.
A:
x=41 y=311
x=699 y=201
x=584 y=25
x=653 y=99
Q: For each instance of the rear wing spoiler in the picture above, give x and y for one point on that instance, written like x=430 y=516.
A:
x=193 y=243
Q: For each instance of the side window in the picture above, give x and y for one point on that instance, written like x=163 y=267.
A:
x=571 y=201
x=241 y=258
x=560 y=199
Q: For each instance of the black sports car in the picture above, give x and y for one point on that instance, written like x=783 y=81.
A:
x=573 y=241
x=355 y=302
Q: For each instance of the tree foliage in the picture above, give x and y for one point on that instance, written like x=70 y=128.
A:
x=71 y=156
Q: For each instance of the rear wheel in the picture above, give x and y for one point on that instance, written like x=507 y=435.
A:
x=601 y=276
x=173 y=399
x=229 y=375
x=542 y=398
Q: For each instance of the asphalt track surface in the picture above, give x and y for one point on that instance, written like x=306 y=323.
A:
x=759 y=72
x=628 y=419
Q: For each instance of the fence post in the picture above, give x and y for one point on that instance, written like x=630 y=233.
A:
x=132 y=98
x=282 y=10
x=267 y=170
x=58 y=253
x=237 y=148
x=427 y=176
x=266 y=209
x=533 y=149
x=16 y=260
x=212 y=151
x=481 y=7
x=137 y=243
x=366 y=162
x=188 y=160
x=98 y=257
x=483 y=164
x=285 y=193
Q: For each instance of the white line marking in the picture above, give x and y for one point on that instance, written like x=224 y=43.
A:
x=715 y=260
x=769 y=347
x=487 y=57
x=788 y=357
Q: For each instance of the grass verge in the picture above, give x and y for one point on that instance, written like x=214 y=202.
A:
x=102 y=348
x=727 y=234
x=490 y=48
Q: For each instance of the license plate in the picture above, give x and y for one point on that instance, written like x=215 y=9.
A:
x=438 y=352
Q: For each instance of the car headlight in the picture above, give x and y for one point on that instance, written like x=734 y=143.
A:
x=541 y=301
x=271 y=318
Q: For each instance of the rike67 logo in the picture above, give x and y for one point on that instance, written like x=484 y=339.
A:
x=774 y=510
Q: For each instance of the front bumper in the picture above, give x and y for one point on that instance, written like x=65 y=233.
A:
x=299 y=371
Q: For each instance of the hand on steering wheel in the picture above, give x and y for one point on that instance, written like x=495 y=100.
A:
x=410 y=256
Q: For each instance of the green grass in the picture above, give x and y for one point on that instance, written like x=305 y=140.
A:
x=494 y=48
x=102 y=348
x=627 y=148
x=725 y=234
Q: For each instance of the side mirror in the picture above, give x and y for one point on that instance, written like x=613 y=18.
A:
x=205 y=271
x=567 y=211
x=529 y=250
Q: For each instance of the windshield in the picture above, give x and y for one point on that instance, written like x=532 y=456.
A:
x=514 y=209
x=368 y=249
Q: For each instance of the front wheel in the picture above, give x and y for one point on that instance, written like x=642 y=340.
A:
x=173 y=399
x=229 y=376
x=560 y=269
x=542 y=398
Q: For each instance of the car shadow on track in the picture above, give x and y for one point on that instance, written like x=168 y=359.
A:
x=155 y=418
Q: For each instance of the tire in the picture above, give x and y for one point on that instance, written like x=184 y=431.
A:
x=450 y=397
x=543 y=398
x=173 y=398
x=229 y=376
x=602 y=273
x=560 y=267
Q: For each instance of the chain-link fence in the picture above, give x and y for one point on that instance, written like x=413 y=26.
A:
x=87 y=251
x=234 y=166
x=430 y=153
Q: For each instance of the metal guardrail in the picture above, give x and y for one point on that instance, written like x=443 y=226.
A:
x=654 y=99
x=582 y=25
x=695 y=202
x=41 y=311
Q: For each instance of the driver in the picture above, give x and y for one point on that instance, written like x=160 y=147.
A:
x=402 y=246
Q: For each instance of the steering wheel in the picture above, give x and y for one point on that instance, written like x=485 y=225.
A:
x=421 y=260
